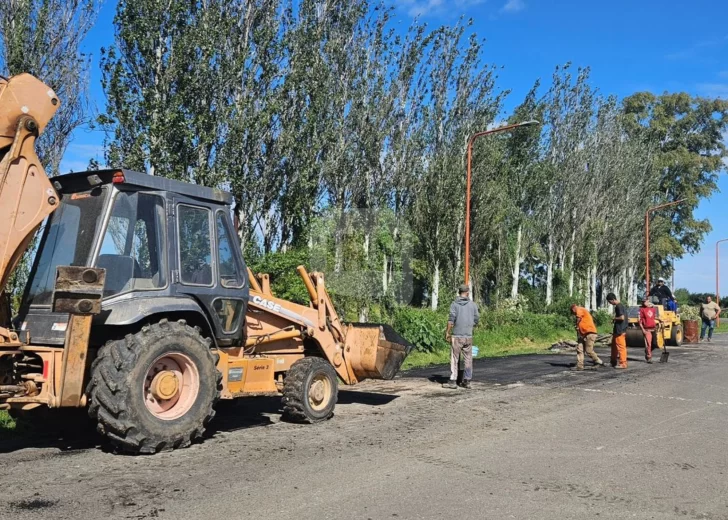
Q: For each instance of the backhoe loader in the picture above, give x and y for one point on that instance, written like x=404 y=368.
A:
x=139 y=305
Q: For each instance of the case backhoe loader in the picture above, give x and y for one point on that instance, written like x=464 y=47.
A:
x=140 y=307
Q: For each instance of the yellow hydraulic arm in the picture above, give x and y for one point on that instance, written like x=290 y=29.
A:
x=26 y=195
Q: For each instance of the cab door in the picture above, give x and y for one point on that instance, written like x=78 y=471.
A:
x=209 y=267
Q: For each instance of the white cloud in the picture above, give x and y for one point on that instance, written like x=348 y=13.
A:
x=423 y=8
x=719 y=90
x=513 y=6
x=698 y=50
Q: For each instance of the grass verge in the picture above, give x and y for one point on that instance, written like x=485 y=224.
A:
x=506 y=341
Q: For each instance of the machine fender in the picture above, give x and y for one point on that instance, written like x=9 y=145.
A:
x=131 y=311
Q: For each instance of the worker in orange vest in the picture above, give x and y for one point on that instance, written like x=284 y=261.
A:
x=587 y=335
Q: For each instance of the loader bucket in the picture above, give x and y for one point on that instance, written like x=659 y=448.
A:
x=375 y=351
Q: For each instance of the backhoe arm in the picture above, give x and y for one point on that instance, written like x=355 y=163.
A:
x=26 y=195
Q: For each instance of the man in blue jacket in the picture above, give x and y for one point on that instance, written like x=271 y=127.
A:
x=464 y=316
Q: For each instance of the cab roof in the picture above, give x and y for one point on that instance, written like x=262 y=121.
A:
x=83 y=180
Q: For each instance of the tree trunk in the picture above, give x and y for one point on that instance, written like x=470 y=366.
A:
x=339 y=242
x=632 y=285
x=364 y=314
x=593 y=287
x=385 y=281
x=571 y=271
x=550 y=273
x=517 y=263
x=434 y=298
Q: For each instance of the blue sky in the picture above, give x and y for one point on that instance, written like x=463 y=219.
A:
x=654 y=45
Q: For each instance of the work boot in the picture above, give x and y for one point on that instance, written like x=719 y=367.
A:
x=578 y=368
x=599 y=363
x=648 y=360
x=450 y=384
x=621 y=367
x=708 y=340
x=466 y=384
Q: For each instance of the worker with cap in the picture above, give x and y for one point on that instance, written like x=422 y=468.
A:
x=587 y=335
x=463 y=318
x=662 y=292
x=648 y=325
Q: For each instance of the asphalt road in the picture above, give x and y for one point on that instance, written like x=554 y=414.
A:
x=532 y=440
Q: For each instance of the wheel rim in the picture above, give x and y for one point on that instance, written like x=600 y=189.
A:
x=171 y=386
x=319 y=392
x=678 y=336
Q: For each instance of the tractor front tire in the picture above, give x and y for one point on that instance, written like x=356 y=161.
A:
x=310 y=391
x=154 y=390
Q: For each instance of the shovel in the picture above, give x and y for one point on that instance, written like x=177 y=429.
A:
x=665 y=354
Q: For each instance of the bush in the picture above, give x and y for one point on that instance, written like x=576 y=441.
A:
x=602 y=317
x=562 y=306
x=423 y=328
x=284 y=279
x=689 y=312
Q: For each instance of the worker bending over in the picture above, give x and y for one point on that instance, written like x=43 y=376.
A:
x=587 y=335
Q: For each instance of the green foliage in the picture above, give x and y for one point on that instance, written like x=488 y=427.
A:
x=7 y=423
x=602 y=317
x=685 y=297
x=562 y=306
x=285 y=281
x=309 y=112
x=689 y=312
x=425 y=329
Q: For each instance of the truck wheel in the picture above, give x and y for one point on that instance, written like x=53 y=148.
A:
x=310 y=391
x=154 y=390
x=676 y=336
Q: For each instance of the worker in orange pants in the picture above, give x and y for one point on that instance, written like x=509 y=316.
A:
x=619 y=333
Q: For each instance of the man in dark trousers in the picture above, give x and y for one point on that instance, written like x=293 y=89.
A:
x=464 y=316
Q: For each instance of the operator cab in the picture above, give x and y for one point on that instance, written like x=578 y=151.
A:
x=168 y=247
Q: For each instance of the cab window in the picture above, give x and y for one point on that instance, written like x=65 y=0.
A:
x=229 y=269
x=133 y=248
x=195 y=248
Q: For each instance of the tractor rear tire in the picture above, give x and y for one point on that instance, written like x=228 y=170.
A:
x=124 y=390
x=676 y=336
x=310 y=391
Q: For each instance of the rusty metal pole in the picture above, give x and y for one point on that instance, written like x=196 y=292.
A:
x=647 y=253
x=468 y=181
x=647 y=241
x=717 y=275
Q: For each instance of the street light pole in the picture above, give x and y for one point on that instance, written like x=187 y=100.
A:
x=647 y=240
x=468 y=183
x=717 y=274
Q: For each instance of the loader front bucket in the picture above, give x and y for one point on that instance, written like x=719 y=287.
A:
x=375 y=351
